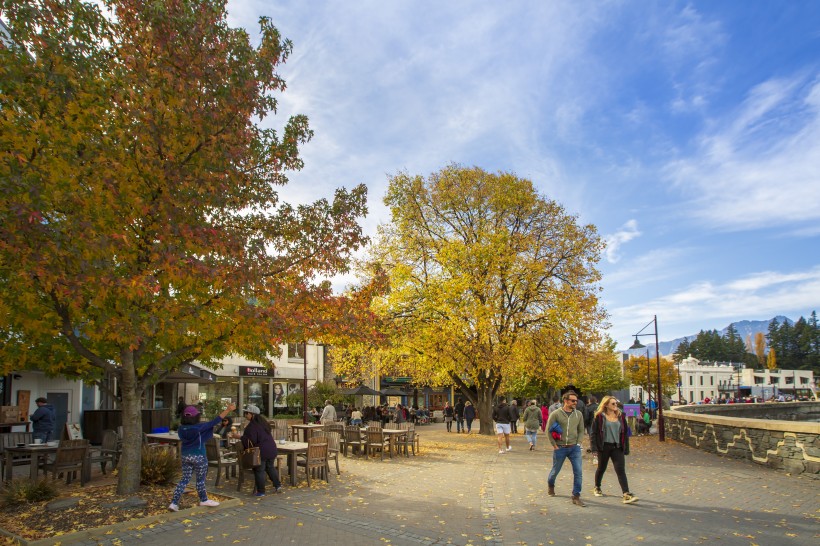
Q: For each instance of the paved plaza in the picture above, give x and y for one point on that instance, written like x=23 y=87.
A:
x=460 y=490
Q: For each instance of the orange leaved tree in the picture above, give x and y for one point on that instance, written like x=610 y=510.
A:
x=140 y=222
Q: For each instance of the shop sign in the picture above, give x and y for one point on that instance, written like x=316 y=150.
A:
x=255 y=371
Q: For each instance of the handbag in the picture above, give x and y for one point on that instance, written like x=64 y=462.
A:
x=251 y=456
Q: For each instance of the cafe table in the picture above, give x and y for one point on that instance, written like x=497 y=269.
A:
x=292 y=449
x=305 y=430
x=167 y=438
x=392 y=434
x=36 y=452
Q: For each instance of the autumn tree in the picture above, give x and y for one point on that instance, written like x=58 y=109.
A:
x=771 y=360
x=600 y=370
x=140 y=222
x=760 y=348
x=487 y=280
x=645 y=375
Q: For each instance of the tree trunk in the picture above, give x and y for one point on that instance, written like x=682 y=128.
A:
x=484 y=405
x=130 y=465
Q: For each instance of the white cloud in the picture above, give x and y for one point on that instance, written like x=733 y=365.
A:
x=626 y=233
x=762 y=294
x=758 y=167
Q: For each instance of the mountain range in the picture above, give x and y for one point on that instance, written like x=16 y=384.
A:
x=744 y=329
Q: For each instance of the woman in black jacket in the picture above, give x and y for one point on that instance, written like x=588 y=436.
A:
x=257 y=433
x=610 y=440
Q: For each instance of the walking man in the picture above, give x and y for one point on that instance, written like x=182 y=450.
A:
x=501 y=416
x=565 y=427
x=459 y=409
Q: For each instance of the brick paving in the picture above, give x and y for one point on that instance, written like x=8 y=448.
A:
x=460 y=490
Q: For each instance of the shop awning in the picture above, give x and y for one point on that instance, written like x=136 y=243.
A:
x=189 y=374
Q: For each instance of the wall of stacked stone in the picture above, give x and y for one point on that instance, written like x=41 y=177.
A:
x=753 y=434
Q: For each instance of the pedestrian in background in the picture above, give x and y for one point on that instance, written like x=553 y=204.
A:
x=545 y=414
x=194 y=435
x=532 y=421
x=610 y=440
x=515 y=415
x=449 y=413
x=566 y=430
x=501 y=416
x=469 y=415
x=459 y=411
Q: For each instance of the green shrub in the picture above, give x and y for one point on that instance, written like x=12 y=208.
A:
x=160 y=465
x=24 y=490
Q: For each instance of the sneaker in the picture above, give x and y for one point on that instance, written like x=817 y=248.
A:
x=597 y=492
x=173 y=507
x=278 y=490
x=509 y=448
x=258 y=494
x=209 y=502
x=500 y=451
x=629 y=498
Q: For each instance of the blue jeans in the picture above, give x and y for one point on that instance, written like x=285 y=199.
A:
x=531 y=435
x=558 y=456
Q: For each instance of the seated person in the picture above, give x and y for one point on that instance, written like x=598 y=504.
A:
x=223 y=429
x=356 y=417
x=644 y=423
x=316 y=414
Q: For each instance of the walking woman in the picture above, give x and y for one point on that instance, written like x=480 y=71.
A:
x=194 y=435
x=609 y=439
x=532 y=422
x=448 y=416
x=257 y=433
x=469 y=415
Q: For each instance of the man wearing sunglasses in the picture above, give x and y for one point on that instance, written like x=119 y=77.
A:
x=567 y=444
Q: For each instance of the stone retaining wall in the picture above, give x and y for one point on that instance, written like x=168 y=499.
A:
x=792 y=446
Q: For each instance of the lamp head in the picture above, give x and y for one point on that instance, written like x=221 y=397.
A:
x=637 y=344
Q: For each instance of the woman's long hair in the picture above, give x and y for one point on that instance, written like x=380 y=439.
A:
x=262 y=421
x=604 y=403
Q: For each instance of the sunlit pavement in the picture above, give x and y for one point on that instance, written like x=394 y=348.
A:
x=460 y=490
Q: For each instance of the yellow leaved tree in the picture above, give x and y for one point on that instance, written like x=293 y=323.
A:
x=488 y=281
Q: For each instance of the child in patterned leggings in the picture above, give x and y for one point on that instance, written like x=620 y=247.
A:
x=194 y=435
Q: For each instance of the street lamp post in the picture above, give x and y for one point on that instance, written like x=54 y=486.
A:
x=659 y=395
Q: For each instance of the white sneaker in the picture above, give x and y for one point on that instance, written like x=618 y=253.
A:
x=500 y=451
x=173 y=507
x=509 y=448
x=209 y=502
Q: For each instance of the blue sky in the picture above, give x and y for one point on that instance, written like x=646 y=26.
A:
x=687 y=132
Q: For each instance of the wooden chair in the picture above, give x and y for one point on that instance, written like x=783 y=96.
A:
x=109 y=451
x=374 y=424
x=241 y=469
x=353 y=440
x=376 y=441
x=407 y=442
x=333 y=447
x=11 y=439
x=315 y=460
x=220 y=458
x=281 y=430
x=71 y=457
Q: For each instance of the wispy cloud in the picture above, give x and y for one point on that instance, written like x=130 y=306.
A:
x=763 y=294
x=758 y=166
x=626 y=233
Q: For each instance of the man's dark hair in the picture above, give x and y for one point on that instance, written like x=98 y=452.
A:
x=41 y=400
x=568 y=394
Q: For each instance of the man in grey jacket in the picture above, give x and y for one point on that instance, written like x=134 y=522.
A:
x=566 y=444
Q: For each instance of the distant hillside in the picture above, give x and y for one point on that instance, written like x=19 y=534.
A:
x=743 y=328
